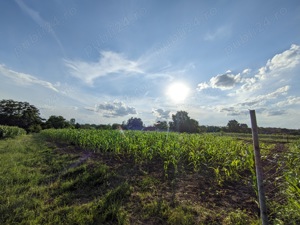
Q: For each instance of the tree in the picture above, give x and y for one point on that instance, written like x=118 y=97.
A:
x=183 y=123
x=77 y=126
x=72 y=121
x=21 y=114
x=57 y=122
x=161 y=125
x=116 y=126
x=244 y=128
x=233 y=126
x=193 y=126
x=134 y=124
x=104 y=127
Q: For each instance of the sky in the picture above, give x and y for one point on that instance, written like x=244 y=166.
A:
x=104 y=62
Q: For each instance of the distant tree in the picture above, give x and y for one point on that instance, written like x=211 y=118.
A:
x=244 y=128
x=233 y=126
x=88 y=126
x=72 y=121
x=183 y=123
x=116 y=126
x=180 y=121
x=236 y=127
x=124 y=125
x=161 y=125
x=134 y=124
x=57 y=122
x=104 y=127
x=213 y=129
x=193 y=126
x=21 y=114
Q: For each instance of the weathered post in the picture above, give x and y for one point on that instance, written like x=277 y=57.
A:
x=259 y=170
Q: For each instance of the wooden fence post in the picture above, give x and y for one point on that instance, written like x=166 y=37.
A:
x=259 y=170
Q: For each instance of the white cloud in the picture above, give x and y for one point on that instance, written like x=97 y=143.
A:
x=161 y=113
x=290 y=100
x=246 y=71
x=222 y=81
x=267 y=90
x=114 y=109
x=25 y=79
x=109 y=63
x=277 y=71
x=262 y=99
x=232 y=110
x=279 y=63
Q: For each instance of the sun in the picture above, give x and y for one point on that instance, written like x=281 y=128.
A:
x=178 y=91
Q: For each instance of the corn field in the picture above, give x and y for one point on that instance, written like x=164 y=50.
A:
x=226 y=157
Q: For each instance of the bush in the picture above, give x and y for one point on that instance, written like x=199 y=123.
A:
x=10 y=131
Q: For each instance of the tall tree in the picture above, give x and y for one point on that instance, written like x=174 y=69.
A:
x=21 y=114
x=134 y=124
x=161 y=125
x=72 y=121
x=233 y=126
x=57 y=122
x=116 y=126
x=183 y=123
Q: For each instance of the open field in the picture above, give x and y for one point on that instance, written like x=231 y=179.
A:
x=265 y=138
x=113 y=177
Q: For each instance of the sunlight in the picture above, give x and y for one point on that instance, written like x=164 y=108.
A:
x=178 y=92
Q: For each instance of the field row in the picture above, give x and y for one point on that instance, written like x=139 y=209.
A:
x=225 y=156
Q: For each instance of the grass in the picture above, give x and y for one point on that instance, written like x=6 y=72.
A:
x=49 y=183
x=266 y=138
x=42 y=186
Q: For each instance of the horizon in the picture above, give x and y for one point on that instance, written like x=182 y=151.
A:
x=105 y=62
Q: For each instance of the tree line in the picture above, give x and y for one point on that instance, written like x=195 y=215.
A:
x=27 y=116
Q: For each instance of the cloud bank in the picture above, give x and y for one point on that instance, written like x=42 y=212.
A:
x=268 y=90
x=113 y=110
x=161 y=113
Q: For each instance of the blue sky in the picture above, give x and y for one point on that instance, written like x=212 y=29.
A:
x=107 y=61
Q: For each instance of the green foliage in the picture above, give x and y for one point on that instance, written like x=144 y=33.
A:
x=57 y=122
x=183 y=123
x=161 y=125
x=237 y=217
x=134 y=124
x=181 y=216
x=21 y=114
x=289 y=213
x=236 y=127
x=42 y=185
x=224 y=156
x=10 y=131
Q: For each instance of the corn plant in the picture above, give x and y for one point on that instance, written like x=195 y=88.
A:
x=10 y=131
x=226 y=157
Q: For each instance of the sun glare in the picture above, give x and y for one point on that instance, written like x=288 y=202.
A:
x=178 y=92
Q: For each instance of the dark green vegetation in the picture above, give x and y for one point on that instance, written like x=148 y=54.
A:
x=21 y=114
x=83 y=177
